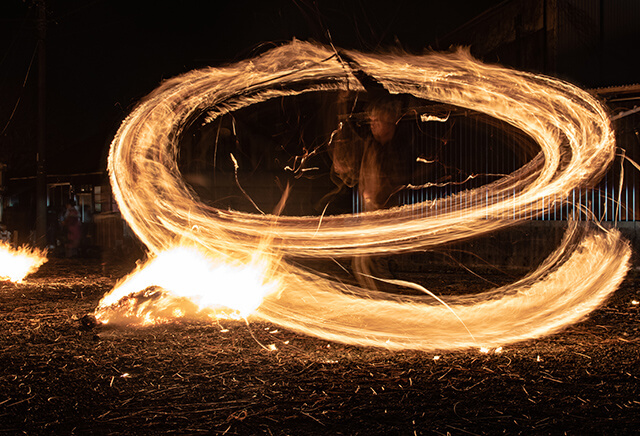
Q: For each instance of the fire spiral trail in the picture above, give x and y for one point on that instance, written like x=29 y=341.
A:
x=577 y=145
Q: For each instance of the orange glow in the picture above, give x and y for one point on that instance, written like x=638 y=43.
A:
x=183 y=282
x=16 y=264
x=576 y=146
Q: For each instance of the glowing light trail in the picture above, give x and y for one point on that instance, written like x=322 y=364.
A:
x=576 y=143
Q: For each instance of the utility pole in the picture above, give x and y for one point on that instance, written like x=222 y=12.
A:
x=550 y=11
x=41 y=173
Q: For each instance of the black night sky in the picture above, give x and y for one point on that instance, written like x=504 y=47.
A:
x=66 y=372
x=104 y=55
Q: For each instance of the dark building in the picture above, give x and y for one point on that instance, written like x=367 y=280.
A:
x=591 y=43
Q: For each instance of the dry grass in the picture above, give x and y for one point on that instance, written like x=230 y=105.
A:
x=61 y=377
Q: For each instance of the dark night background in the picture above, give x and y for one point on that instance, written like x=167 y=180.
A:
x=103 y=56
x=63 y=374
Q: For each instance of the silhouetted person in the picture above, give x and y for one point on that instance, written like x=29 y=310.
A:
x=374 y=155
x=73 y=227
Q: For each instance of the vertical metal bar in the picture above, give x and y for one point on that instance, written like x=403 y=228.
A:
x=613 y=198
x=599 y=201
x=606 y=199
x=634 y=199
x=580 y=203
x=626 y=203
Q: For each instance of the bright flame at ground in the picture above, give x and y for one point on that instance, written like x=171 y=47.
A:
x=182 y=282
x=16 y=264
x=576 y=142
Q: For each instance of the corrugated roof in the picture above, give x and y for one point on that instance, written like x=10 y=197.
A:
x=621 y=89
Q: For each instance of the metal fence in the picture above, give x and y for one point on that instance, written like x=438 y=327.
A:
x=470 y=150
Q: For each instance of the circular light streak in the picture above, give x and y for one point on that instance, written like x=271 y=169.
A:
x=571 y=128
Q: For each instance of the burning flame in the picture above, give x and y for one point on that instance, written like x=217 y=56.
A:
x=16 y=264
x=571 y=128
x=183 y=281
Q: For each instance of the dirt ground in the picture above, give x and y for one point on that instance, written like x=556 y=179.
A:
x=60 y=376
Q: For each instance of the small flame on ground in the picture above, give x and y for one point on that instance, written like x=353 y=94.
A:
x=16 y=264
x=184 y=282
